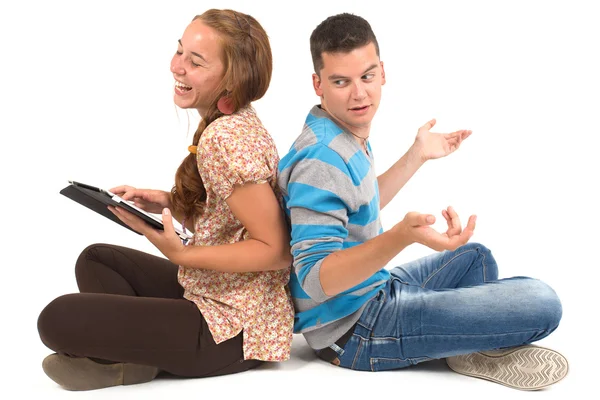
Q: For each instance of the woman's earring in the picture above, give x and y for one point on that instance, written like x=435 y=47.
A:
x=225 y=105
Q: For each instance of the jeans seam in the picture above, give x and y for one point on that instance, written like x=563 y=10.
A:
x=392 y=338
x=434 y=273
x=382 y=302
x=411 y=360
x=358 y=323
x=395 y=278
x=393 y=359
x=360 y=343
x=484 y=267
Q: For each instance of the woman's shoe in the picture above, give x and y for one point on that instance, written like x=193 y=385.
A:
x=82 y=373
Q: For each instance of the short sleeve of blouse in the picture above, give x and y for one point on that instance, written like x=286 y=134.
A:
x=228 y=157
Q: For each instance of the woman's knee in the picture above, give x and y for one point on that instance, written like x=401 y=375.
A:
x=86 y=273
x=92 y=252
x=53 y=322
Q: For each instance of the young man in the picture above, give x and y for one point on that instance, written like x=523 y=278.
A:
x=353 y=311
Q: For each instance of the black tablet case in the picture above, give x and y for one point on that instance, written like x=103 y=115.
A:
x=98 y=202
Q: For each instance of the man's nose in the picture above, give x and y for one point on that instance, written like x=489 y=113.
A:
x=359 y=91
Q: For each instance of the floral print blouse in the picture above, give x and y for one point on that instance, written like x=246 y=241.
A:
x=233 y=150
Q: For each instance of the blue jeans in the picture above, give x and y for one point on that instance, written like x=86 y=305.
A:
x=447 y=304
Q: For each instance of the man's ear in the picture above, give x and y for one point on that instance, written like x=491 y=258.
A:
x=317 y=85
x=382 y=73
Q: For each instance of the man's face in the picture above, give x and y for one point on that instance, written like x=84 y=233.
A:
x=350 y=87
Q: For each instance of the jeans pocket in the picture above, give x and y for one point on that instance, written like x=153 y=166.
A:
x=385 y=364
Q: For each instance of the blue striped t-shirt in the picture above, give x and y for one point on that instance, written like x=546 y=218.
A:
x=331 y=198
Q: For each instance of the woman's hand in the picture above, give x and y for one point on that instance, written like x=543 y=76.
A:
x=167 y=241
x=152 y=201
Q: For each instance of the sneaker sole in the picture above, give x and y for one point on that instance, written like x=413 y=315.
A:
x=524 y=368
x=84 y=374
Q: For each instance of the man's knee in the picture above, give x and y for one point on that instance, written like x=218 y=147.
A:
x=477 y=247
x=487 y=259
x=537 y=302
x=548 y=304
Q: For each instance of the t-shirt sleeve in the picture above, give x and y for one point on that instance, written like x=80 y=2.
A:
x=227 y=158
x=320 y=195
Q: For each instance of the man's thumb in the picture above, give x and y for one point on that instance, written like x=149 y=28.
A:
x=417 y=219
x=430 y=124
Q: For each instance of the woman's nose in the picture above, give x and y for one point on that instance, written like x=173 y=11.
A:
x=176 y=66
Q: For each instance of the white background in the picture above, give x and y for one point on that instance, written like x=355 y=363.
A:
x=86 y=94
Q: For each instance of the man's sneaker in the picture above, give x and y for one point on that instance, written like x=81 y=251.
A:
x=525 y=367
x=81 y=373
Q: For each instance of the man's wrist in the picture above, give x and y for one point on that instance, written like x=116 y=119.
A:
x=401 y=235
x=415 y=156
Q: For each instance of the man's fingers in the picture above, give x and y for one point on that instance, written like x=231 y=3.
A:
x=466 y=234
x=462 y=133
x=452 y=135
x=455 y=219
x=471 y=224
x=452 y=146
x=447 y=217
x=453 y=222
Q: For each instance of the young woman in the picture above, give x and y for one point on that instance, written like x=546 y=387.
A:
x=219 y=305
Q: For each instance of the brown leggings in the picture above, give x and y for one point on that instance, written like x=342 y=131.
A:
x=131 y=309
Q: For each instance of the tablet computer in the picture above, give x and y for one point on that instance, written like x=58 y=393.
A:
x=98 y=199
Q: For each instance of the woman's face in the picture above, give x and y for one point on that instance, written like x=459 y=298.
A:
x=197 y=67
